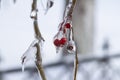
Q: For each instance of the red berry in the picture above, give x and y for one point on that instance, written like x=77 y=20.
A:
x=67 y=25
x=57 y=42
x=63 y=41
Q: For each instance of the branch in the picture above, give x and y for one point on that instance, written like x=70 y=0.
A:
x=70 y=4
x=76 y=65
x=72 y=7
x=37 y=31
x=39 y=37
x=39 y=62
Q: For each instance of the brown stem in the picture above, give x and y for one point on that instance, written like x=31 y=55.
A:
x=36 y=27
x=72 y=7
x=76 y=66
x=34 y=5
x=76 y=62
x=37 y=31
x=39 y=62
x=39 y=37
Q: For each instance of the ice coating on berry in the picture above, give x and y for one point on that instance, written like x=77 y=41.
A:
x=63 y=41
x=71 y=47
x=67 y=25
x=57 y=42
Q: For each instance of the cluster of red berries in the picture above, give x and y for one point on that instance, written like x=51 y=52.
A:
x=61 y=42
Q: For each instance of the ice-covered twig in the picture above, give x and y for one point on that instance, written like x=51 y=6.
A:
x=68 y=13
x=34 y=16
x=39 y=37
x=38 y=62
x=33 y=52
x=37 y=32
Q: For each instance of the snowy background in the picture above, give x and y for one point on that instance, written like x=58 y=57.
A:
x=16 y=30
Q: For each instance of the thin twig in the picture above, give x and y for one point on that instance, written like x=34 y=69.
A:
x=72 y=7
x=39 y=37
x=39 y=62
x=75 y=65
x=34 y=5
x=37 y=31
x=76 y=62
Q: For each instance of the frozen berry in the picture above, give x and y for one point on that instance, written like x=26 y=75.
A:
x=70 y=47
x=67 y=25
x=57 y=42
x=63 y=41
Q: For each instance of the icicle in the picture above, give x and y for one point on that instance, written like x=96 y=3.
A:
x=49 y=5
x=30 y=54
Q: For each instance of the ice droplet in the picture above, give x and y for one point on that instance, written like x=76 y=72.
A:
x=33 y=14
x=71 y=47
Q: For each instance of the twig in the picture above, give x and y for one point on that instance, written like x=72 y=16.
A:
x=39 y=62
x=76 y=62
x=37 y=32
x=76 y=65
x=72 y=7
x=68 y=13
x=39 y=37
